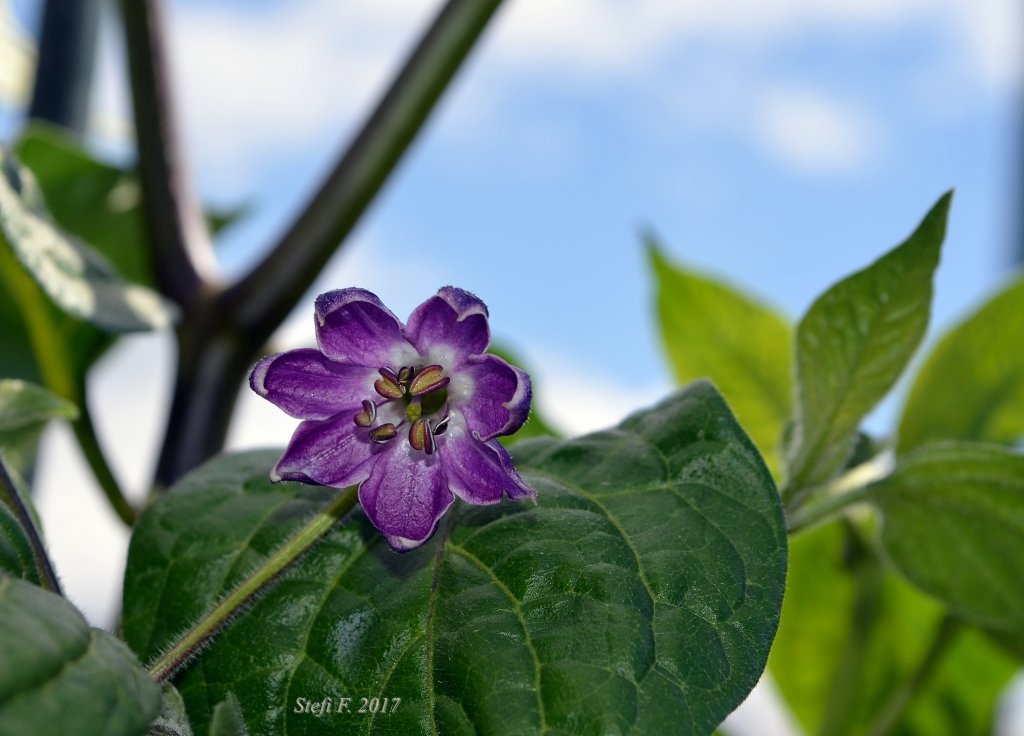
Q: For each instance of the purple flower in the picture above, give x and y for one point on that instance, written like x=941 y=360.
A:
x=410 y=412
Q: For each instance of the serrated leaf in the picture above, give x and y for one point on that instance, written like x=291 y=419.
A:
x=954 y=525
x=853 y=344
x=58 y=676
x=972 y=385
x=896 y=624
x=75 y=277
x=640 y=595
x=711 y=330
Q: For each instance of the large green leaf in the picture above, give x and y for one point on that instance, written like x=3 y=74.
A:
x=640 y=595
x=58 y=676
x=74 y=276
x=954 y=525
x=711 y=330
x=830 y=594
x=24 y=410
x=972 y=385
x=852 y=345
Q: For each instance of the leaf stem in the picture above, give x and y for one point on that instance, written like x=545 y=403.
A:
x=894 y=709
x=852 y=487
x=212 y=623
x=183 y=258
x=271 y=289
x=85 y=433
x=11 y=497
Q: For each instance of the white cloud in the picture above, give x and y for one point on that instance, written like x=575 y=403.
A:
x=814 y=133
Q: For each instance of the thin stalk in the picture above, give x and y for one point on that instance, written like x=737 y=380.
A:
x=183 y=258
x=896 y=707
x=846 y=678
x=85 y=433
x=265 y=296
x=211 y=624
x=850 y=488
x=11 y=497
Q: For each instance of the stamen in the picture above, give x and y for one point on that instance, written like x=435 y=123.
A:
x=429 y=379
x=420 y=436
x=442 y=426
x=384 y=433
x=404 y=374
x=367 y=415
x=387 y=385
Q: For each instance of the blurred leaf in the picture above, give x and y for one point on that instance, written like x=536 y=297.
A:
x=535 y=425
x=173 y=720
x=16 y=556
x=24 y=410
x=60 y=677
x=817 y=618
x=711 y=330
x=852 y=345
x=972 y=385
x=640 y=594
x=75 y=277
x=954 y=525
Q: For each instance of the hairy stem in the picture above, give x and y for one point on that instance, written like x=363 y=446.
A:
x=212 y=623
x=894 y=709
x=266 y=295
x=85 y=433
x=177 y=231
x=11 y=497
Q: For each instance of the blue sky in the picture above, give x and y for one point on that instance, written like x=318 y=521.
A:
x=780 y=144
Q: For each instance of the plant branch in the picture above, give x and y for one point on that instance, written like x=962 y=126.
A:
x=85 y=433
x=893 y=711
x=177 y=231
x=182 y=651
x=263 y=298
x=11 y=497
x=852 y=487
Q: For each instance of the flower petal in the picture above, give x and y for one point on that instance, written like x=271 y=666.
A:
x=493 y=396
x=308 y=385
x=405 y=495
x=352 y=325
x=449 y=327
x=334 y=452
x=480 y=472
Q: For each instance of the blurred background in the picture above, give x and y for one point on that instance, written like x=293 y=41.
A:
x=780 y=144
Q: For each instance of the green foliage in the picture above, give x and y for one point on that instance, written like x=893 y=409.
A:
x=640 y=594
x=60 y=676
x=536 y=425
x=16 y=556
x=841 y=603
x=227 y=719
x=852 y=345
x=954 y=525
x=972 y=385
x=74 y=276
x=710 y=330
x=24 y=410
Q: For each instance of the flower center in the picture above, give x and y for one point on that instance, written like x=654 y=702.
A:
x=414 y=395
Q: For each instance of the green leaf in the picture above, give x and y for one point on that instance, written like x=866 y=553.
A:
x=852 y=345
x=818 y=616
x=227 y=718
x=535 y=425
x=640 y=594
x=173 y=719
x=58 y=676
x=16 y=557
x=972 y=385
x=712 y=330
x=954 y=525
x=24 y=410
x=75 y=277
